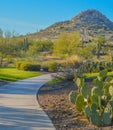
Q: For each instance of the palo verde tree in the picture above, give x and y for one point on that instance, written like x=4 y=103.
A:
x=67 y=44
x=70 y=44
x=40 y=46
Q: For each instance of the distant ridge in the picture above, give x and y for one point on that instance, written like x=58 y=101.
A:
x=89 y=23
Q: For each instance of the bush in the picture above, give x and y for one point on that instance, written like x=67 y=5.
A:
x=18 y=64
x=65 y=74
x=30 y=67
x=27 y=66
x=44 y=67
x=72 y=62
x=68 y=67
x=53 y=66
x=95 y=103
x=93 y=67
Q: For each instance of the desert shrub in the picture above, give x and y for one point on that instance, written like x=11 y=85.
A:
x=27 y=66
x=53 y=66
x=93 y=67
x=18 y=64
x=67 y=68
x=30 y=67
x=67 y=74
x=72 y=62
x=95 y=103
x=44 y=67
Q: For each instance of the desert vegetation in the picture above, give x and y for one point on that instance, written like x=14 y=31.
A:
x=73 y=56
x=95 y=102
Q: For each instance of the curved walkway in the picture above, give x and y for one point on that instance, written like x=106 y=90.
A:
x=19 y=109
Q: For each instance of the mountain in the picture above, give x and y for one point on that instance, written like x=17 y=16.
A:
x=89 y=23
x=91 y=18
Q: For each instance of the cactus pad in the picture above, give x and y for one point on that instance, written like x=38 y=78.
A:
x=94 y=107
x=98 y=91
x=111 y=103
x=80 y=104
x=88 y=111
x=72 y=97
x=86 y=91
x=94 y=99
x=96 y=119
x=80 y=82
x=111 y=90
x=98 y=83
x=106 y=118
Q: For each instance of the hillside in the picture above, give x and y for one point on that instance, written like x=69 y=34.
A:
x=89 y=23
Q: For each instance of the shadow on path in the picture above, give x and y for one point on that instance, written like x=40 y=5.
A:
x=15 y=117
x=19 y=109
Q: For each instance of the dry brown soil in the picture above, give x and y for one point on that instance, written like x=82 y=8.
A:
x=54 y=99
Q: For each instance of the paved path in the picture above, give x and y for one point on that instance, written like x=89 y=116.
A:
x=19 y=109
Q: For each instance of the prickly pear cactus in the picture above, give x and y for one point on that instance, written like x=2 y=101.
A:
x=93 y=90
x=111 y=90
x=108 y=108
x=94 y=99
x=88 y=111
x=111 y=103
x=80 y=103
x=96 y=119
x=98 y=83
x=72 y=97
x=94 y=107
x=80 y=83
x=108 y=79
x=85 y=91
x=106 y=118
x=103 y=102
x=96 y=91
x=96 y=103
x=106 y=88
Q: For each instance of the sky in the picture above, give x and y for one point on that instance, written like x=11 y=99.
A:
x=29 y=16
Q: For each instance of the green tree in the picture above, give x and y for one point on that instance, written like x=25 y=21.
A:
x=88 y=51
x=9 y=47
x=38 y=47
x=67 y=44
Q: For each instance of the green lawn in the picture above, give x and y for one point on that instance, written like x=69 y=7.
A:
x=54 y=81
x=94 y=75
x=12 y=74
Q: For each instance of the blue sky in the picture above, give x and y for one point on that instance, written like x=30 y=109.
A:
x=28 y=16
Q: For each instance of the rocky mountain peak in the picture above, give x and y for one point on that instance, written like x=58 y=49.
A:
x=89 y=23
x=91 y=16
